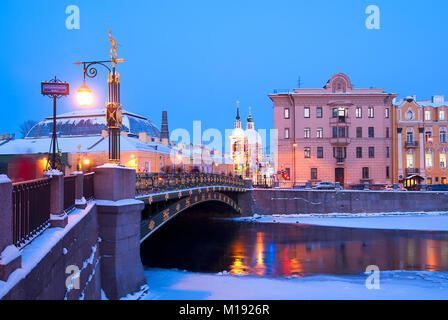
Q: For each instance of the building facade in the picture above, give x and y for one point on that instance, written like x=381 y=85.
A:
x=336 y=134
x=421 y=141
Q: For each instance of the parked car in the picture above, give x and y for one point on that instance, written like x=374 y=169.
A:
x=324 y=185
x=437 y=187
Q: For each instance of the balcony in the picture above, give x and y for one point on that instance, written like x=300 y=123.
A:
x=340 y=121
x=340 y=160
x=410 y=171
x=411 y=144
x=340 y=141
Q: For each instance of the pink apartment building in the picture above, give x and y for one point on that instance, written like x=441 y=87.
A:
x=337 y=134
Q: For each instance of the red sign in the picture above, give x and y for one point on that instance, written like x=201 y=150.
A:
x=55 y=88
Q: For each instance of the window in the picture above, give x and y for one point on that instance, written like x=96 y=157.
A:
x=319 y=113
x=428 y=180
x=359 y=152
x=320 y=152
x=320 y=133
x=307 y=133
x=286 y=133
x=387 y=152
x=442 y=115
x=335 y=132
x=443 y=160
x=286 y=113
x=443 y=180
x=371 y=132
x=442 y=135
x=428 y=160
x=428 y=136
x=409 y=161
x=335 y=112
x=307 y=152
x=365 y=173
x=341 y=132
x=387 y=173
x=387 y=132
x=371 y=112
x=359 y=132
x=386 y=113
x=306 y=112
x=313 y=173
x=410 y=136
x=371 y=152
x=358 y=112
x=428 y=115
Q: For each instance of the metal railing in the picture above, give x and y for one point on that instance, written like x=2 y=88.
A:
x=88 y=186
x=411 y=144
x=31 y=209
x=69 y=192
x=155 y=182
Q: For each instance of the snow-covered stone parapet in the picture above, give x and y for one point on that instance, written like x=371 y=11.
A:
x=53 y=172
x=4 y=178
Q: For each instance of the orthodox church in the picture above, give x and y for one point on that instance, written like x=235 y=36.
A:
x=246 y=148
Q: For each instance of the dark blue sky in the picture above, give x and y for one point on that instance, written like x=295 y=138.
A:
x=195 y=58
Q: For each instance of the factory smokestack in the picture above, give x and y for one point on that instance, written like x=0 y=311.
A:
x=164 y=134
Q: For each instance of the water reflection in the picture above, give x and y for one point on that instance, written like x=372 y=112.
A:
x=274 y=250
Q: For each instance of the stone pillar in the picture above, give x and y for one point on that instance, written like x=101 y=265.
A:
x=395 y=186
x=422 y=153
x=10 y=258
x=366 y=186
x=337 y=186
x=400 y=154
x=119 y=216
x=80 y=201
x=58 y=218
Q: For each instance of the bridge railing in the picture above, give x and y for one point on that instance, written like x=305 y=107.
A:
x=31 y=209
x=158 y=182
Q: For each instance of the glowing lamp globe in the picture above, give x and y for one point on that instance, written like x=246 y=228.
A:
x=84 y=96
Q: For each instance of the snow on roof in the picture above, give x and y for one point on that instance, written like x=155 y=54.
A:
x=91 y=122
x=87 y=143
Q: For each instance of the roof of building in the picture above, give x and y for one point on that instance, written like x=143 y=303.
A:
x=91 y=122
x=435 y=101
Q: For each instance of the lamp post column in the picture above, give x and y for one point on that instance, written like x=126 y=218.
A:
x=114 y=116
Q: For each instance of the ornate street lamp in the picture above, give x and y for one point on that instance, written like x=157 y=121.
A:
x=113 y=105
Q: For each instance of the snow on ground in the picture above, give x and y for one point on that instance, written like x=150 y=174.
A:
x=394 y=285
x=435 y=221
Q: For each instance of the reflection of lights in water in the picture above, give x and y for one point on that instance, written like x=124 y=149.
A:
x=444 y=254
x=238 y=266
x=431 y=255
x=260 y=268
x=411 y=252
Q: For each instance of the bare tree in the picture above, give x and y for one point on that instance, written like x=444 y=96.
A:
x=26 y=126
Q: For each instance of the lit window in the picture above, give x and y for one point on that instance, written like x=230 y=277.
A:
x=307 y=133
x=286 y=113
x=442 y=115
x=443 y=160
x=359 y=112
x=410 y=161
x=307 y=152
x=428 y=160
x=306 y=112
x=427 y=115
x=320 y=133
x=371 y=112
x=386 y=111
x=286 y=133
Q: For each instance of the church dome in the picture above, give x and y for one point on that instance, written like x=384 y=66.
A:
x=89 y=123
x=238 y=132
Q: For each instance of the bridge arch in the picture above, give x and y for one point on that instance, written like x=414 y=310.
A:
x=156 y=221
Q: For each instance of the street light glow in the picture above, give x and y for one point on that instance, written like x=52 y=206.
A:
x=84 y=96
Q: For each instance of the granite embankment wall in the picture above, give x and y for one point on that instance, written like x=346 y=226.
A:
x=278 y=201
x=57 y=255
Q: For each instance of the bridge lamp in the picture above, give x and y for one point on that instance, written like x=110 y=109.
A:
x=84 y=96
x=86 y=162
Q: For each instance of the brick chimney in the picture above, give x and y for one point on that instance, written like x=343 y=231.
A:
x=164 y=134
